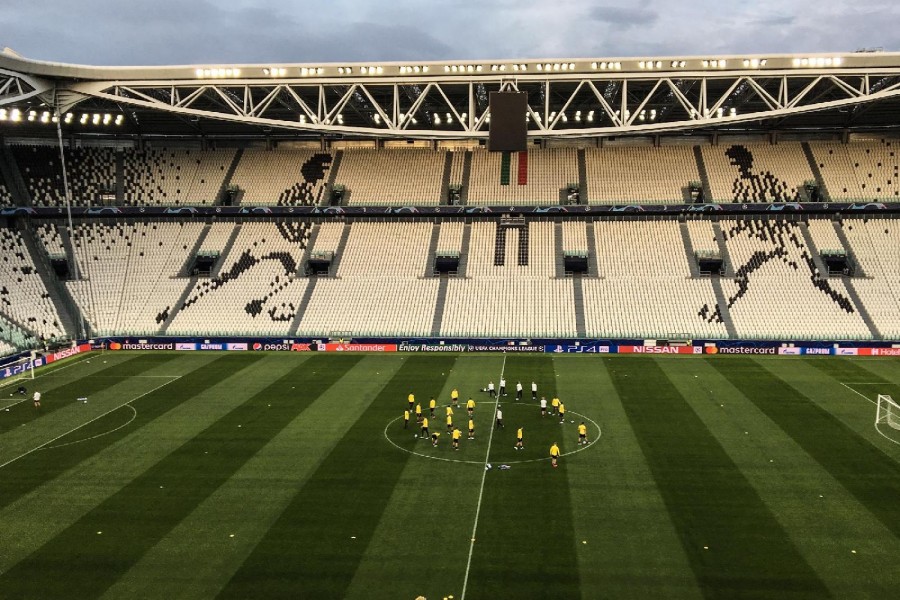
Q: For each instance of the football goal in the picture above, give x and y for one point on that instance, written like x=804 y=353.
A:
x=888 y=412
x=14 y=372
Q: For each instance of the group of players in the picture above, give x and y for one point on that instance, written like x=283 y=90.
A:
x=557 y=407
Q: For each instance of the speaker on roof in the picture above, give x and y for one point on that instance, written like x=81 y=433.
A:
x=508 y=129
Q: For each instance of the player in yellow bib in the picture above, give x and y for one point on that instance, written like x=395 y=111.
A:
x=554 y=405
x=554 y=455
x=412 y=400
x=582 y=434
x=449 y=422
x=456 y=435
x=431 y=406
x=470 y=406
x=449 y=411
x=520 y=434
x=405 y=419
x=424 y=432
x=434 y=438
x=562 y=412
x=471 y=429
x=454 y=397
x=418 y=413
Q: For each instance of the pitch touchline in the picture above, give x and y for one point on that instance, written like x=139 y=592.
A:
x=47 y=374
x=487 y=456
x=74 y=429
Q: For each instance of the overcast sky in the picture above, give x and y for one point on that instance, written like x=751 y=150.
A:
x=138 y=32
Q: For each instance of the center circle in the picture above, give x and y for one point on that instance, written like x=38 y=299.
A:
x=552 y=418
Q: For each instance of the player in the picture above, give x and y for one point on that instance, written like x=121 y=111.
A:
x=405 y=419
x=543 y=406
x=562 y=413
x=431 y=406
x=454 y=397
x=554 y=455
x=470 y=406
x=412 y=400
x=37 y=399
x=449 y=422
x=434 y=438
x=22 y=390
x=533 y=391
x=499 y=417
x=582 y=434
x=490 y=390
x=424 y=433
x=456 y=435
x=518 y=390
x=520 y=434
x=471 y=429
x=418 y=413
x=502 y=391
x=554 y=405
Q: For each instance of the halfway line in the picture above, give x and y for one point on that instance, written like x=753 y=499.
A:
x=487 y=456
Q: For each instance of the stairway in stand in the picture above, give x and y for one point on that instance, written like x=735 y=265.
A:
x=523 y=168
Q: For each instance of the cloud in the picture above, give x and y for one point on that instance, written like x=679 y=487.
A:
x=625 y=17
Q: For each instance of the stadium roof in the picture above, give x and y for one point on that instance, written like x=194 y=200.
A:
x=568 y=98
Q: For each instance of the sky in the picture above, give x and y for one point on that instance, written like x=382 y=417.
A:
x=167 y=32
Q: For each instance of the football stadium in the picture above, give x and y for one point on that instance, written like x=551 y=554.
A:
x=605 y=327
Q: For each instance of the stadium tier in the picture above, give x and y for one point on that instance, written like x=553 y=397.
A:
x=729 y=171
x=640 y=278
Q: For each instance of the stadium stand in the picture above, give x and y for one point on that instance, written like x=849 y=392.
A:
x=6 y=198
x=282 y=177
x=859 y=170
x=876 y=246
x=528 y=178
x=392 y=177
x=40 y=169
x=24 y=299
x=777 y=291
x=128 y=271
x=639 y=174
x=164 y=176
x=255 y=291
x=748 y=173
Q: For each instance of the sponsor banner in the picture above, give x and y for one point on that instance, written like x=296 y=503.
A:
x=885 y=351
x=818 y=351
x=236 y=346
x=260 y=346
x=13 y=370
x=185 y=346
x=580 y=349
x=502 y=348
x=301 y=347
x=141 y=346
x=331 y=347
x=790 y=351
x=211 y=346
x=846 y=351
x=746 y=350
x=407 y=347
x=67 y=353
x=660 y=350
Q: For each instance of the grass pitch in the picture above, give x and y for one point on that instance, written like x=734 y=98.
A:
x=252 y=475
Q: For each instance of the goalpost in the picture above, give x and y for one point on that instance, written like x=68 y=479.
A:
x=888 y=412
x=17 y=371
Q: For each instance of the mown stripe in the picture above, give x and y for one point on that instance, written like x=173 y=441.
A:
x=310 y=551
x=29 y=472
x=86 y=563
x=525 y=546
x=734 y=544
x=871 y=476
x=62 y=396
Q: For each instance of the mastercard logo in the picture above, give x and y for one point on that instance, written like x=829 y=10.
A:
x=115 y=346
x=712 y=350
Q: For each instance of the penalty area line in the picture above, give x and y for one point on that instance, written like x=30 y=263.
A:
x=74 y=429
x=881 y=433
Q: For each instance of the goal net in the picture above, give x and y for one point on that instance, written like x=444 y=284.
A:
x=12 y=374
x=888 y=412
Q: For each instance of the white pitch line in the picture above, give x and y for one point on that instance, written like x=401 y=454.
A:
x=74 y=429
x=891 y=440
x=487 y=456
x=46 y=374
x=134 y=414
